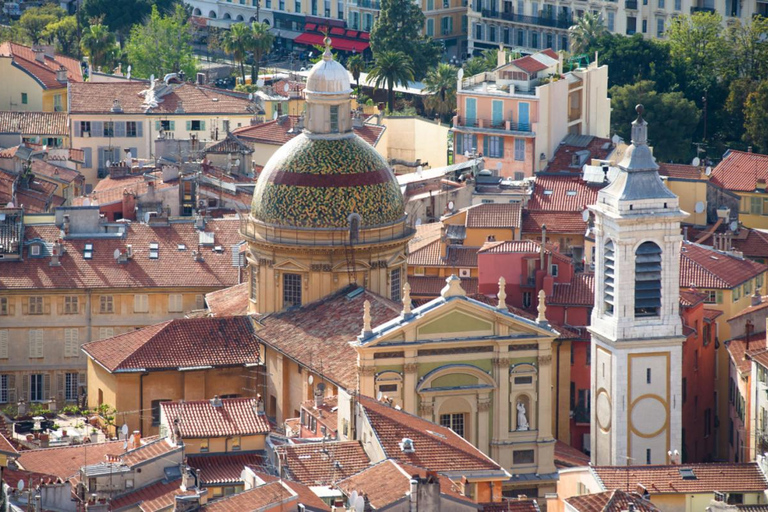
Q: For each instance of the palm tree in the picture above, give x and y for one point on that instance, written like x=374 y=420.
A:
x=260 y=43
x=96 y=42
x=391 y=68
x=588 y=29
x=356 y=65
x=236 y=42
x=441 y=82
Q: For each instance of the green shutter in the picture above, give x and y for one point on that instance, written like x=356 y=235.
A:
x=719 y=296
x=189 y=125
x=474 y=143
x=158 y=126
x=173 y=126
x=202 y=126
x=457 y=149
x=485 y=145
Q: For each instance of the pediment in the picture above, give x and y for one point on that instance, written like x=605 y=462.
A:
x=291 y=266
x=453 y=323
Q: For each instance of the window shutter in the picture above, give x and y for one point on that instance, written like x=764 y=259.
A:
x=78 y=129
x=88 y=158
x=120 y=129
x=457 y=149
x=47 y=305
x=202 y=126
x=80 y=381
x=12 y=388
x=4 y=344
x=60 y=306
x=173 y=125
x=46 y=386
x=24 y=307
x=134 y=152
x=189 y=125
x=101 y=157
x=97 y=129
x=25 y=387
x=139 y=128
x=32 y=342
x=485 y=145
x=501 y=147
x=199 y=302
x=158 y=126
x=474 y=142
x=60 y=386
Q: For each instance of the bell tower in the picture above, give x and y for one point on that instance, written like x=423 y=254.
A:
x=636 y=329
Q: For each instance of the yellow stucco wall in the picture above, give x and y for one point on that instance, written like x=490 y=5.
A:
x=753 y=215
x=53 y=98
x=412 y=138
x=690 y=193
x=221 y=445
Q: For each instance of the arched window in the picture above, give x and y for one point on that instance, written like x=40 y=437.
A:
x=212 y=15
x=239 y=17
x=227 y=16
x=608 y=269
x=647 y=279
x=390 y=385
x=197 y=12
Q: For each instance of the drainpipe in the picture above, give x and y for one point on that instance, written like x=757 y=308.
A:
x=543 y=242
x=557 y=391
x=88 y=315
x=141 y=402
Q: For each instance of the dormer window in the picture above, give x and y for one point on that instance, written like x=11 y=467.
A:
x=647 y=280
x=88 y=252
x=34 y=250
x=154 y=251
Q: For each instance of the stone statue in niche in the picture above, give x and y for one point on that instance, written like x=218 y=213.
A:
x=522 y=421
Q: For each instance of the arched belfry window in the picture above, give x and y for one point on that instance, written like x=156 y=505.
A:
x=647 y=279
x=608 y=272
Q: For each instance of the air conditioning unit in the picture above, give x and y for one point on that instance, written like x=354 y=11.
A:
x=465 y=272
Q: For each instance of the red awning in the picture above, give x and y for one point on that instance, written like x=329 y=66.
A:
x=309 y=39
x=309 y=26
x=352 y=34
x=337 y=43
x=337 y=31
x=365 y=35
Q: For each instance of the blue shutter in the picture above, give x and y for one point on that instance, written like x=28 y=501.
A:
x=501 y=146
x=88 y=157
x=101 y=157
x=523 y=116
x=134 y=152
x=189 y=126
x=202 y=125
x=78 y=132
x=139 y=128
x=485 y=145
x=474 y=143
x=97 y=129
x=471 y=111
x=173 y=126
x=158 y=126
x=497 y=118
x=119 y=128
x=457 y=149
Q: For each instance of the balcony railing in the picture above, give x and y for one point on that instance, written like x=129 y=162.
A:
x=493 y=125
x=702 y=9
x=630 y=4
x=530 y=20
x=369 y=4
x=527 y=281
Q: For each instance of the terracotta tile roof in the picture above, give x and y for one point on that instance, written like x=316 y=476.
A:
x=387 y=482
x=283 y=129
x=8 y=152
x=737 y=349
x=711 y=314
x=691 y=298
x=723 y=476
x=231 y=144
x=511 y=246
x=323 y=463
x=741 y=172
x=224 y=469
x=425 y=235
x=556 y=222
x=98 y=98
x=529 y=64
x=173 y=268
x=610 y=501
x=430 y=286
x=111 y=190
x=148 y=451
x=294 y=87
x=512 y=505
x=680 y=171
x=561 y=193
x=201 y=418
x=751 y=309
x=55 y=172
x=264 y=497
x=232 y=301
x=34 y=123
x=758 y=353
x=494 y=215
x=427 y=256
x=318 y=334
x=568 y=457
x=329 y=410
x=579 y=292
x=6 y=447
x=704 y=267
x=436 y=448
x=307 y=497
x=65 y=461
x=11 y=478
x=43 y=72
x=562 y=161
x=157 y=496
x=179 y=343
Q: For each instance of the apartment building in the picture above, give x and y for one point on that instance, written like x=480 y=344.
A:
x=70 y=278
x=517 y=114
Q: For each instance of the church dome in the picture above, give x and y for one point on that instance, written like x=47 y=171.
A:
x=328 y=76
x=318 y=183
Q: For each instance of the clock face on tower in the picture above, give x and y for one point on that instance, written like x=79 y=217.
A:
x=603 y=410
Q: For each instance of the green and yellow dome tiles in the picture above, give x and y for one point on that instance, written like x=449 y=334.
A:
x=318 y=183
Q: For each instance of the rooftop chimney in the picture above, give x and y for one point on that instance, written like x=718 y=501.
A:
x=56 y=251
x=136 y=439
x=61 y=74
x=216 y=401
x=200 y=79
x=757 y=298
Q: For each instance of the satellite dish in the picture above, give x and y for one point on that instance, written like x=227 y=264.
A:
x=359 y=504
x=696 y=161
x=237 y=163
x=699 y=207
x=321 y=386
x=379 y=395
x=151 y=79
x=125 y=445
x=615 y=139
x=86 y=202
x=260 y=82
x=286 y=87
x=20 y=485
x=733 y=225
x=108 y=163
x=250 y=96
x=117 y=253
x=274 y=115
x=450 y=205
x=418 y=222
x=460 y=73
x=708 y=171
x=353 y=497
x=585 y=215
x=128 y=75
x=310 y=380
x=124 y=429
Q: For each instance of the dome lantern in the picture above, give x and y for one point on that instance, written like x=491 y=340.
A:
x=327 y=94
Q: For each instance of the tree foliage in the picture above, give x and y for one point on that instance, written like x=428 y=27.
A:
x=235 y=43
x=64 y=34
x=398 y=29
x=260 y=43
x=756 y=117
x=121 y=15
x=97 y=43
x=390 y=69
x=441 y=82
x=486 y=61
x=356 y=66
x=698 y=45
x=35 y=20
x=672 y=118
x=587 y=30
x=163 y=44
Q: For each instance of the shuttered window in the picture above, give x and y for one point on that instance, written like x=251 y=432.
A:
x=141 y=303
x=5 y=388
x=106 y=304
x=35 y=343
x=106 y=332
x=4 y=344
x=608 y=262
x=175 y=303
x=35 y=306
x=72 y=342
x=71 y=305
x=71 y=384
x=647 y=280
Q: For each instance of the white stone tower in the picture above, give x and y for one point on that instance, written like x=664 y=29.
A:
x=636 y=328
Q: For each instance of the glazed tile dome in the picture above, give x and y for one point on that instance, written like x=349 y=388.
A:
x=319 y=182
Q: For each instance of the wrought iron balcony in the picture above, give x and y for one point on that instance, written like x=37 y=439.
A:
x=530 y=20
x=492 y=124
x=702 y=9
x=630 y=4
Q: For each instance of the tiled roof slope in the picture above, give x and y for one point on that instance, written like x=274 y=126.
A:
x=66 y=461
x=43 y=72
x=562 y=160
x=157 y=496
x=704 y=267
x=579 y=292
x=680 y=171
x=203 y=419
x=567 y=456
x=281 y=130
x=6 y=447
x=561 y=194
x=436 y=448
x=179 y=343
x=432 y=285
x=318 y=334
x=425 y=235
x=148 y=451
x=55 y=172
x=270 y=496
x=494 y=215
x=223 y=469
x=232 y=301
x=741 y=171
x=34 y=123
x=316 y=463
x=99 y=97
x=723 y=477
x=556 y=222
x=610 y=501
x=172 y=269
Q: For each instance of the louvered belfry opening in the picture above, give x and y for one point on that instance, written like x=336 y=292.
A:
x=647 y=280
x=608 y=260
